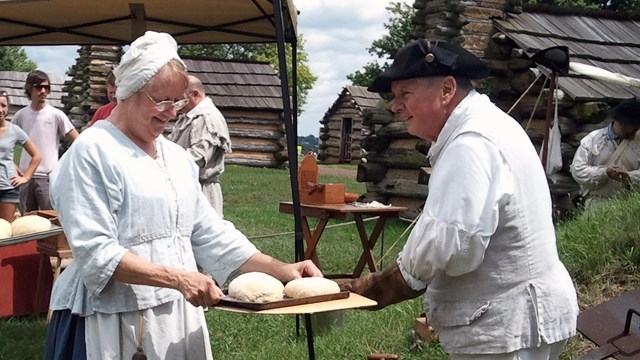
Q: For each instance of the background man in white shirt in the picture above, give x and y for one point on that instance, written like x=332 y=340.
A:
x=45 y=125
x=608 y=159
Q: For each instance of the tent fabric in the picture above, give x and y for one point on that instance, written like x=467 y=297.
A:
x=82 y=22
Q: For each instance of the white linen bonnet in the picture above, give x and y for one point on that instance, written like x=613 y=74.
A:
x=146 y=55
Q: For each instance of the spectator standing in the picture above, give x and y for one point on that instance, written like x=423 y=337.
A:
x=607 y=161
x=10 y=178
x=202 y=131
x=104 y=111
x=484 y=249
x=45 y=125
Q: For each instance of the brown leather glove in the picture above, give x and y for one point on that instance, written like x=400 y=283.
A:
x=386 y=287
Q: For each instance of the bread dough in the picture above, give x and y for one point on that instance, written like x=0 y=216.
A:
x=256 y=287
x=30 y=224
x=5 y=229
x=311 y=286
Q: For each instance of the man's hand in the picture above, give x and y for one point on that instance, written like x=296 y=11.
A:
x=618 y=174
x=199 y=289
x=386 y=287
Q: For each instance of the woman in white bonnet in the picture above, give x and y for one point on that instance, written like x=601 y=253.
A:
x=132 y=210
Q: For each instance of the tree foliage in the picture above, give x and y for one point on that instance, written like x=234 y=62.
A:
x=399 y=26
x=14 y=58
x=261 y=52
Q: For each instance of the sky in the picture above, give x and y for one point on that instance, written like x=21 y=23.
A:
x=337 y=34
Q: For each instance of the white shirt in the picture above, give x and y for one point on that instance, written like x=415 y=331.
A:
x=588 y=167
x=111 y=198
x=45 y=127
x=485 y=243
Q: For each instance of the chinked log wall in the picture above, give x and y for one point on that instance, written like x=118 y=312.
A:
x=393 y=167
x=257 y=139
x=88 y=84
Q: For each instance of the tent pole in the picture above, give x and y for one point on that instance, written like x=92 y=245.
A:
x=290 y=131
x=547 y=122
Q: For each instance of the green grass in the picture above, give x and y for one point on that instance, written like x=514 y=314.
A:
x=599 y=248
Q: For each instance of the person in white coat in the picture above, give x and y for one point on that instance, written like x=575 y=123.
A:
x=607 y=161
x=484 y=250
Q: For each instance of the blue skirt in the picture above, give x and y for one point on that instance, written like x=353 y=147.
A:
x=65 y=337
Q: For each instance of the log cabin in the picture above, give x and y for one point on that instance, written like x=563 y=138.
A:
x=505 y=34
x=342 y=130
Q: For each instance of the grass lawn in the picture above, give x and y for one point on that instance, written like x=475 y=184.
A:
x=600 y=250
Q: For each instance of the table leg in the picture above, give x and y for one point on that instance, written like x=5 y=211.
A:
x=43 y=259
x=312 y=239
x=367 y=244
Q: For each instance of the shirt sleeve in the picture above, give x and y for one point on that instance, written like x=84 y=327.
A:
x=582 y=169
x=64 y=124
x=202 y=145
x=87 y=197
x=219 y=248
x=21 y=135
x=467 y=188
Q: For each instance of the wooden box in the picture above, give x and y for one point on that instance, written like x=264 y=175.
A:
x=323 y=194
x=311 y=191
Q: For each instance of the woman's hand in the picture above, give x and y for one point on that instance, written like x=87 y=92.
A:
x=18 y=180
x=300 y=269
x=199 y=289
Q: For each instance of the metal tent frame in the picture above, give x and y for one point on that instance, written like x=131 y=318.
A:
x=119 y=22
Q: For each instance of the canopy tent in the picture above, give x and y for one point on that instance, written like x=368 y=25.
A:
x=78 y=22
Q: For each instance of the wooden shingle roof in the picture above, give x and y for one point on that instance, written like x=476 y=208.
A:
x=363 y=97
x=360 y=97
x=13 y=83
x=605 y=39
x=238 y=84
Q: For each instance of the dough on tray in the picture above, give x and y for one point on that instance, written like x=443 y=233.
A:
x=311 y=286
x=256 y=287
x=30 y=224
x=5 y=229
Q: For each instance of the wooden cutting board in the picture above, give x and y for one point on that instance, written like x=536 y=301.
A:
x=353 y=301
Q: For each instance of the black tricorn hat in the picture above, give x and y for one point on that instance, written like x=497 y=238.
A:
x=423 y=58
x=555 y=58
x=627 y=112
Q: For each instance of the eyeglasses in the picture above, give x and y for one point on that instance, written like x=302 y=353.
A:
x=168 y=104
x=39 y=87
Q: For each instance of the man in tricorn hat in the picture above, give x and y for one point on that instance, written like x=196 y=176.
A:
x=608 y=160
x=484 y=250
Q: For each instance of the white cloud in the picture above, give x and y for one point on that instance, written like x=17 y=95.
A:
x=337 y=34
x=53 y=59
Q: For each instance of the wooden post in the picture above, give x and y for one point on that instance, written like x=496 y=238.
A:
x=547 y=124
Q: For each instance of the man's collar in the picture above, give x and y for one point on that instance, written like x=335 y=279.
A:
x=612 y=132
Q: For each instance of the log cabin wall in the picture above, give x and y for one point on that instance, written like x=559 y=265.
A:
x=342 y=131
x=86 y=91
x=505 y=35
x=248 y=94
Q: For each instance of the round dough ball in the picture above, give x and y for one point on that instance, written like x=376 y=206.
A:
x=311 y=286
x=5 y=229
x=30 y=224
x=256 y=287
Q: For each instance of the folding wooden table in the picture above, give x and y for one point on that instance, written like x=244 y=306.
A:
x=327 y=212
